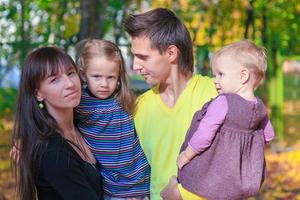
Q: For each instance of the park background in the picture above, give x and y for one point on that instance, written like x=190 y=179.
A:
x=274 y=24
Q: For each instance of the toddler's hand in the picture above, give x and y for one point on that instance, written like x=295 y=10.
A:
x=182 y=160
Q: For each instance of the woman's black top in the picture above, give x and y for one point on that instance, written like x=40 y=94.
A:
x=63 y=174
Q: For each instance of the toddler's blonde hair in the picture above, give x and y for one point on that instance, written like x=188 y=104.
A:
x=248 y=55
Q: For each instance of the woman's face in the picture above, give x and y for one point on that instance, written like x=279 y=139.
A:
x=60 y=91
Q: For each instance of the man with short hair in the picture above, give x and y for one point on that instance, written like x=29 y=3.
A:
x=163 y=55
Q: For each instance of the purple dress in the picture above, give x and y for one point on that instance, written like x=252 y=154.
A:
x=233 y=167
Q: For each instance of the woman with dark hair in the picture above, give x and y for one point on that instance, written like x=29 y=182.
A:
x=53 y=161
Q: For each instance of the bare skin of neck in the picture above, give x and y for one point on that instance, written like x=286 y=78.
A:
x=172 y=88
x=65 y=122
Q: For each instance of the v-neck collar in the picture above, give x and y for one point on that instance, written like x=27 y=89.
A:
x=179 y=102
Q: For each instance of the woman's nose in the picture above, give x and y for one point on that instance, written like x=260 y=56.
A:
x=68 y=82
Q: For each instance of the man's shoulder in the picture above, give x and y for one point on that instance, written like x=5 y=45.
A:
x=147 y=96
x=203 y=85
x=203 y=79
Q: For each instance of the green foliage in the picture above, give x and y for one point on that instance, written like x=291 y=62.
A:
x=291 y=86
x=7 y=102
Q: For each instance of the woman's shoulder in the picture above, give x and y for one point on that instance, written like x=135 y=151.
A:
x=55 y=148
x=57 y=156
x=53 y=143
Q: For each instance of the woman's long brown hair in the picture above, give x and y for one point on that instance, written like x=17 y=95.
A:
x=33 y=125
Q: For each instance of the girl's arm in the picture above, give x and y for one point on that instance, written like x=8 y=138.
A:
x=202 y=138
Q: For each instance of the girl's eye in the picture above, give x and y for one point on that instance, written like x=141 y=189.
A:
x=71 y=73
x=220 y=74
x=96 y=76
x=111 y=77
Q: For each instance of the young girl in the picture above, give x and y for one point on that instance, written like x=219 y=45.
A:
x=52 y=160
x=104 y=116
x=222 y=156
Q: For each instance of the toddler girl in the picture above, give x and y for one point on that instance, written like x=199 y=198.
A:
x=222 y=156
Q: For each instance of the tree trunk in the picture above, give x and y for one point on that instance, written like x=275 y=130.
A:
x=274 y=78
x=92 y=17
x=250 y=19
x=24 y=43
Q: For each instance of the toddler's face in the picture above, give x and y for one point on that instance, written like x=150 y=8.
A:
x=102 y=77
x=227 y=74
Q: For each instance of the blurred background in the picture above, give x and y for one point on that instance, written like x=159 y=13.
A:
x=274 y=24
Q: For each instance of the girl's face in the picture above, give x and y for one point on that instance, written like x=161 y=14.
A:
x=102 y=77
x=60 y=91
x=227 y=75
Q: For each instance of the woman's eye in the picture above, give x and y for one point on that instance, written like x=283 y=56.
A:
x=53 y=80
x=71 y=73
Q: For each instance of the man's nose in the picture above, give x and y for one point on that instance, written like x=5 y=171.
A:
x=136 y=66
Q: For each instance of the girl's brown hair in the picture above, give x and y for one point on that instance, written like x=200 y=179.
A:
x=90 y=48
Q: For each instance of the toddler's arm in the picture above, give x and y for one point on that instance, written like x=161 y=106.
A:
x=268 y=129
x=203 y=136
x=185 y=157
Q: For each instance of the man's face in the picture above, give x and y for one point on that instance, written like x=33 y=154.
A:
x=147 y=61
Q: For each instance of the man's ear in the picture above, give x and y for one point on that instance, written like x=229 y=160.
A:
x=173 y=53
x=245 y=75
x=39 y=96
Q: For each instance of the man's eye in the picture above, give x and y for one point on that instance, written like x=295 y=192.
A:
x=142 y=57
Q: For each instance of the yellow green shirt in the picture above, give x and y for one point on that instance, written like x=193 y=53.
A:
x=162 y=129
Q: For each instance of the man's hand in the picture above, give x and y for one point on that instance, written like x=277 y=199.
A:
x=171 y=191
